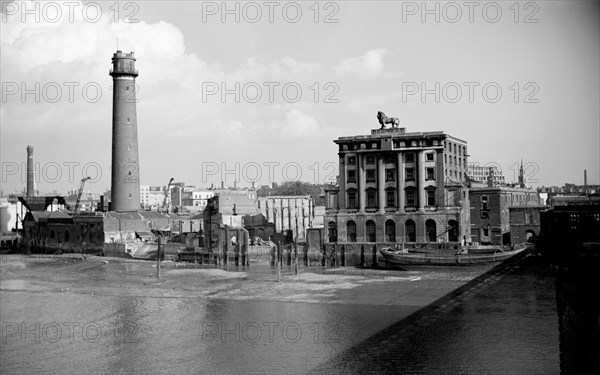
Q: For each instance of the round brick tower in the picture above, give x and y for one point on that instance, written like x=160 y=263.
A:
x=125 y=183
x=30 y=172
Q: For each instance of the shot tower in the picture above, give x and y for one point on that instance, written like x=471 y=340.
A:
x=125 y=183
x=30 y=173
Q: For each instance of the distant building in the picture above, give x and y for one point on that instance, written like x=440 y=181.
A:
x=485 y=173
x=290 y=213
x=152 y=197
x=396 y=186
x=224 y=222
x=490 y=216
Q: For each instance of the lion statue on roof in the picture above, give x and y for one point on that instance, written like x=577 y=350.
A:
x=383 y=119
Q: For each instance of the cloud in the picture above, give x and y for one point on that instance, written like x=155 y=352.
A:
x=298 y=125
x=368 y=65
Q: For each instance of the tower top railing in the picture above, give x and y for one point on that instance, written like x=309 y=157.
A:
x=120 y=54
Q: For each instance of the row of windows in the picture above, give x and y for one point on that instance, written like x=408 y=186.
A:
x=452 y=160
x=390 y=198
x=454 y=148
x=454 y=173
x=409 y=157
x=390 y=174
x=410 y=229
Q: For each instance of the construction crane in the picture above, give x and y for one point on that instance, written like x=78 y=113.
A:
x=167 y=195
x=83 y=180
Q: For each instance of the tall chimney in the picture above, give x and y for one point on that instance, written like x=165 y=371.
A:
x=125 y=182
x=585 y=186
x=30 y=176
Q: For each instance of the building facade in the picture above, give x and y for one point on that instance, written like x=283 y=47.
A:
x=485 y=173
x=490 y=216
x=289 y=213
x=524 y=222
x=396 y=186
x=152 y=197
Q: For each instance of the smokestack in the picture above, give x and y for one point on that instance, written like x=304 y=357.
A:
x=30 y=177
x=585 y=187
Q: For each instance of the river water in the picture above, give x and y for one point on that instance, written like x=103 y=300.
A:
x=85 y=317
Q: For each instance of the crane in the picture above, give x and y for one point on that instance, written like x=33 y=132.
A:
x=83 y=180
x=167 y=195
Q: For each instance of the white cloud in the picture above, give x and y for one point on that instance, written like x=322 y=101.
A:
x=298 y=125
x=368 y=65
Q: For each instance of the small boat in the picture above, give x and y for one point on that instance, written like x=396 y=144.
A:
x=465 y=256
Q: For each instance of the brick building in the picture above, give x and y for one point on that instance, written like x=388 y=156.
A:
x=524 y=222
x=396 y=186
x=490 y=216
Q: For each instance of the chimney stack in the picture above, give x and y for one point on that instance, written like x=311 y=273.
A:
x=30 y=173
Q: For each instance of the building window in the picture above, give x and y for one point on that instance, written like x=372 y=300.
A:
x=484 y=203
x=51 y=234
x=351 y=231
x=409 y=157
x=370 y=231
x=430 y=173
x=390 y=175
x=332 y=231
x=410 y=174
x=390 y=231
x=410 y=197
x=389 y=160
x=370 y=175
x=390 y=196
x=370 y=160
x=486 y=232
x=351 y=160
x=352 y=199
x=430 y=230
x=411 y=231
x=67 y=236
x=431 y=198
x=351 y=176
x=485 y=215
x=429 y=156
x=528 y=218
x=371 y=198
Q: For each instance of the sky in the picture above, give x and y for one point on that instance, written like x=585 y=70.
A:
x=258 y=91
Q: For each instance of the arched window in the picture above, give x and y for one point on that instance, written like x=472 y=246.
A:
x=390 y=231
x=430 y=230
x=332 y=231
x=411 y=231
x=371 y=231
x=351 y=231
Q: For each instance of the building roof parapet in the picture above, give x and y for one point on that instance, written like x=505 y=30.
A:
x=388 y=133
